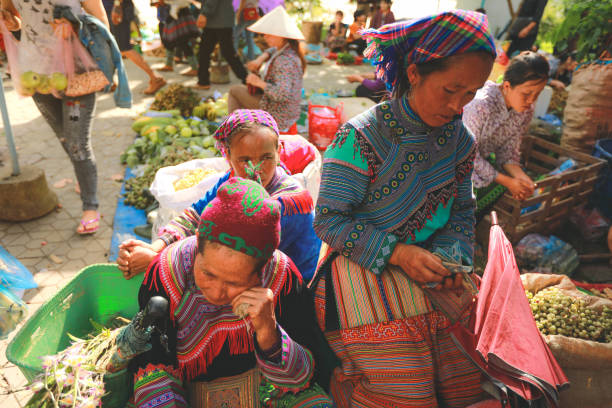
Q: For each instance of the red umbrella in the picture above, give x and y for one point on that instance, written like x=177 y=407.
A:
x=502 y=337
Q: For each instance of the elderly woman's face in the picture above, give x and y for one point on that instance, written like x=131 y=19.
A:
x=258 y=145
x=222 y=273
x=441 y=95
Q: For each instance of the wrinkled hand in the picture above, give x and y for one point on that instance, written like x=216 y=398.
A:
x=520 y=189
x=255 y=80
x=11 y=21
x=253 y=65
x=419 y=264
x=202 y=20
x=354 y=78
x=134 y=257
x=260 y=309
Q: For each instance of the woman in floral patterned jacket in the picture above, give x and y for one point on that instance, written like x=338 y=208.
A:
x=498 y=117
x=279 y=89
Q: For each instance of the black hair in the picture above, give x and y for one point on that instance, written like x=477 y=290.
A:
x=203 y=243
x=243 y=127
x=358 y=14
x=426 y=68
x=386 y=1
x=481 y=10
x=340 y=12
x=527 y=66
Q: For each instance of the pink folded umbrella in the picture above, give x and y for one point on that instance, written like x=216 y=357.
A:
x=502 y=337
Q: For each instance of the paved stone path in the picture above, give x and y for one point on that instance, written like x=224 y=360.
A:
x=49 y=247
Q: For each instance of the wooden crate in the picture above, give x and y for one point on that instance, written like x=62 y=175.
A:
x=560 y=193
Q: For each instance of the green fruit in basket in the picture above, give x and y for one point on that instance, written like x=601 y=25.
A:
x=171 y=130
x=30 y=79
x=186 y=132
x=58 y=81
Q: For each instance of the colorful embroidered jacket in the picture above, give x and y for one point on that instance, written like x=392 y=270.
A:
x=298 y=239
x=207 y=342
x=390 y=178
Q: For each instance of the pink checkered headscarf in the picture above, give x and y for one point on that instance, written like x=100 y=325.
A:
x=236 y=118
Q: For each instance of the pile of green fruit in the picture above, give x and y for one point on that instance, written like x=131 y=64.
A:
x=164 y=141
x=32 y=82
x=557 y=313
x=175 y=96
x=211 y=109
x=137 y=188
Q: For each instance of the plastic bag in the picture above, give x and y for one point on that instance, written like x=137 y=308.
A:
x=76 y=64
x=297 y=152
x=12 y=55
x=323 y=123
x=538 y=253
x=13 y=275
x=172 y=202
x=589 y=221
x=12 y=311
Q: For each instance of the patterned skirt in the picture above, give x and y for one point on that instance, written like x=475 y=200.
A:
x=393 y=344
x=159 y=386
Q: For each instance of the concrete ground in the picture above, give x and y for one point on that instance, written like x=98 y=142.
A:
x=49 y=247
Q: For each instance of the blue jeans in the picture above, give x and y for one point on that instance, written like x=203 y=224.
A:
x=238 y=30
x=71 y=121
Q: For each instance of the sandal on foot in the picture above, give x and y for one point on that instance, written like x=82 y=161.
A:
x=166 y=68
x=204 y=87
x=86 y=224
x=154 y=86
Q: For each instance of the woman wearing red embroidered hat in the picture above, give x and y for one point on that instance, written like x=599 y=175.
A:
x=396 y=189
x=239 y=315
x=246 y=135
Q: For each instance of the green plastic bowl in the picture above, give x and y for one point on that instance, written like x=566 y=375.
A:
x=97 y=292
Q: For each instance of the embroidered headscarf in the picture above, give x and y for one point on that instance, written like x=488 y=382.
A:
x=238 y=117
x=393 y=47
x=242 y=217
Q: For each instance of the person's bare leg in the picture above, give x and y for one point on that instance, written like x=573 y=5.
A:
x=155 y=81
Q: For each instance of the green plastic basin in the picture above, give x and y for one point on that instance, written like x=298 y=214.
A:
x=97 y=292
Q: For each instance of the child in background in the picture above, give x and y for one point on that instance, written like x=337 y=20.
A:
x=383 y=16
x=355 y=41
x=336 y=37
x=178 y=31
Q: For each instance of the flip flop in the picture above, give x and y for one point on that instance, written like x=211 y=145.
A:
x=89 y=231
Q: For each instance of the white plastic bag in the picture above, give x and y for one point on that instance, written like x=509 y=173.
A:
x=310 y=178
x=163 y=184
x=171 y=202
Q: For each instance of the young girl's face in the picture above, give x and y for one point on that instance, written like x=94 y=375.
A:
x=259 y=145
x=522 y=97
x=339 y=18
x=384 y=6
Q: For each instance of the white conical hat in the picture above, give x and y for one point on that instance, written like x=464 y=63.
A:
x=277 y=22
